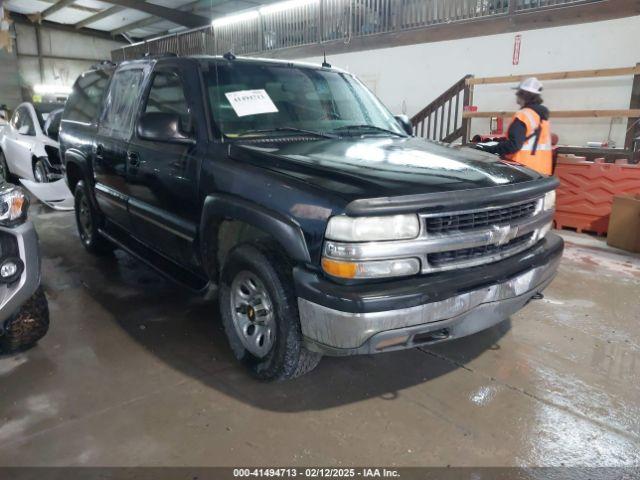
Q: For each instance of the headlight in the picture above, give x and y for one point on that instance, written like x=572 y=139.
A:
x=13 y=205
x=366 y=229
x=401 y=267
x=550 y=200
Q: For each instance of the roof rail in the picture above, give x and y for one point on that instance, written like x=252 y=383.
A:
x=159 y=55
x=102 y=64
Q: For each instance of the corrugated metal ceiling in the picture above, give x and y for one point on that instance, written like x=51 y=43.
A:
x=141 y=24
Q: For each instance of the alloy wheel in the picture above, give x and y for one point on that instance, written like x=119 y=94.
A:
x=252 y=311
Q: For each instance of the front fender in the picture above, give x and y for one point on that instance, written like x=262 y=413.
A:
x=284 y=230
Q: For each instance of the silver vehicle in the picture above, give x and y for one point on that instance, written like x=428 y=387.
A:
x=24 y=312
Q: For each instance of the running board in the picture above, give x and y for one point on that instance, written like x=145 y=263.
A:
x=158 y=262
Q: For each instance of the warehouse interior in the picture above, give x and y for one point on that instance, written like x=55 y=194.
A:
x=135 y=369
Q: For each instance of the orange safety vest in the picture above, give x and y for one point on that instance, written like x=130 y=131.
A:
x=536 y=151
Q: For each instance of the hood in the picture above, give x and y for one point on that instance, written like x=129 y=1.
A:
x=354 y=168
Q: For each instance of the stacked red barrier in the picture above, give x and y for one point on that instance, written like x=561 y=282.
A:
x=586 y=191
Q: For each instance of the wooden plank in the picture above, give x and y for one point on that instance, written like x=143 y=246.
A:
x=633 y=130
x=631 y=113
x=605 y=72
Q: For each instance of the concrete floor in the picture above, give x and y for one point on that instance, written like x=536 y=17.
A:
x=135 y=371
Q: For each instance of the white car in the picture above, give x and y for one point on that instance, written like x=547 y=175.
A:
x=29 y=143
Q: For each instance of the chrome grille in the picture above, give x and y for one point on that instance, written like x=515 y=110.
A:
x=472 y=220
x=449 y=257
x=480 y=236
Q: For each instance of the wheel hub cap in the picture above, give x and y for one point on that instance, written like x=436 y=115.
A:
x=252 y=311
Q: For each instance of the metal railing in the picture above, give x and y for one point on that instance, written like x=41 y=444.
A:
x=320 y=21
x=442 y=119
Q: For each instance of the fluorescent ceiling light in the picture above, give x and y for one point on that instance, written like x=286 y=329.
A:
x=42 y=89
x=281 y=6
x=240 y=17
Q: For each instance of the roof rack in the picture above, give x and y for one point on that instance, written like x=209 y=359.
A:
x=102 y=64
x=159 y=55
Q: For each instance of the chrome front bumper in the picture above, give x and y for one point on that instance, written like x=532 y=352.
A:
x=334 y=332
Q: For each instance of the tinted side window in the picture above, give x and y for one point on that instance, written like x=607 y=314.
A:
x=84 y=103
x=167 y=96
x=121 y=102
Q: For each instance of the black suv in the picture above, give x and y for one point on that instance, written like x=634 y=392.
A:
x=326 y=226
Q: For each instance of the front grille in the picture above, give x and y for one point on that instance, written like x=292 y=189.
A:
x=472 y=220
x=441 y=259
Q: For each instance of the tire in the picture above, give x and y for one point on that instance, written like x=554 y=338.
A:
x=25 y=328
x=40 y=172
x=88 y=220
x=270 y=271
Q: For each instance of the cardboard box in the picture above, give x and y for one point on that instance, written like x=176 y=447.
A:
x=624 y=223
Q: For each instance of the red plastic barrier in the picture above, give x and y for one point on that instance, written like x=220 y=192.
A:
x=586 y=191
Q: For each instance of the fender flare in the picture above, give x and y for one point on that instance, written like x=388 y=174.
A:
x=283 y=229
x=79 y=160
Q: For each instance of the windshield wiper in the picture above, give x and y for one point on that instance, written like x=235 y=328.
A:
x=287 y=129
x=367 y=127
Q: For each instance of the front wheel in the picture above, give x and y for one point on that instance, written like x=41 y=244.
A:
x=23 y=330
x=88 y=220
x=40 y=171
x=260 y=314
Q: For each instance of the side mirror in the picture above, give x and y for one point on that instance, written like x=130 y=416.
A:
x=405 y=123
x=162 y=127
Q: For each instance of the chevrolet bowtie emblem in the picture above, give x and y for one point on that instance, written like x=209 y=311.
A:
x=504 y=235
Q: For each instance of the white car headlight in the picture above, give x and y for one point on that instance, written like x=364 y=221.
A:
x=550 y=200
x=369 y=229
x=13 y=205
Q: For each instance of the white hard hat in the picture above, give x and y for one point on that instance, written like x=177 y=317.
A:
x=531 y=84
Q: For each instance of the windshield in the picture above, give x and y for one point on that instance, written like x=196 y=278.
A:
x=264 y=99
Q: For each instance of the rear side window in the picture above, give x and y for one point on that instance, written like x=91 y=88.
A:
x=84 y=103
x=121 y=102
x=167 y=96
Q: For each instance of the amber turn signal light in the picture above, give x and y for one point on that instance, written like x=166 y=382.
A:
x=339 y=269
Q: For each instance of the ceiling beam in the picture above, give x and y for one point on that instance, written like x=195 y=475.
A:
x=178 y=17
x=75 y=7
x=145 y=22
x=25 y=20
x=98 y=16
x=56 y=7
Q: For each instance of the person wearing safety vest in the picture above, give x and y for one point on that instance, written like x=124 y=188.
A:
x=528 y=139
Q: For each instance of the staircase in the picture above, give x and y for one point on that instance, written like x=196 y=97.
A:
x=442 y=120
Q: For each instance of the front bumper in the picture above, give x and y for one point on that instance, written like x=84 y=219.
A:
x=14 y=295
x=500 y=290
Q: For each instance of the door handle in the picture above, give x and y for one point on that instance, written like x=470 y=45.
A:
x=99 y=151
x=134 y=159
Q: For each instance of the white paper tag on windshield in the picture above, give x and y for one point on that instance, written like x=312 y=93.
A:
x=251 y=102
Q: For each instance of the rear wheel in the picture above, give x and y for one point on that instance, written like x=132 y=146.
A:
x=40 y=171
x=88 y=220
x=25 y=328
x=260 y=314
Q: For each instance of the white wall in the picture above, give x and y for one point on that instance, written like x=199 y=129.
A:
x=407 y=78
x=61 y=44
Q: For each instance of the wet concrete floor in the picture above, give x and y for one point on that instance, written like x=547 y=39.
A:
x=136 y=371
